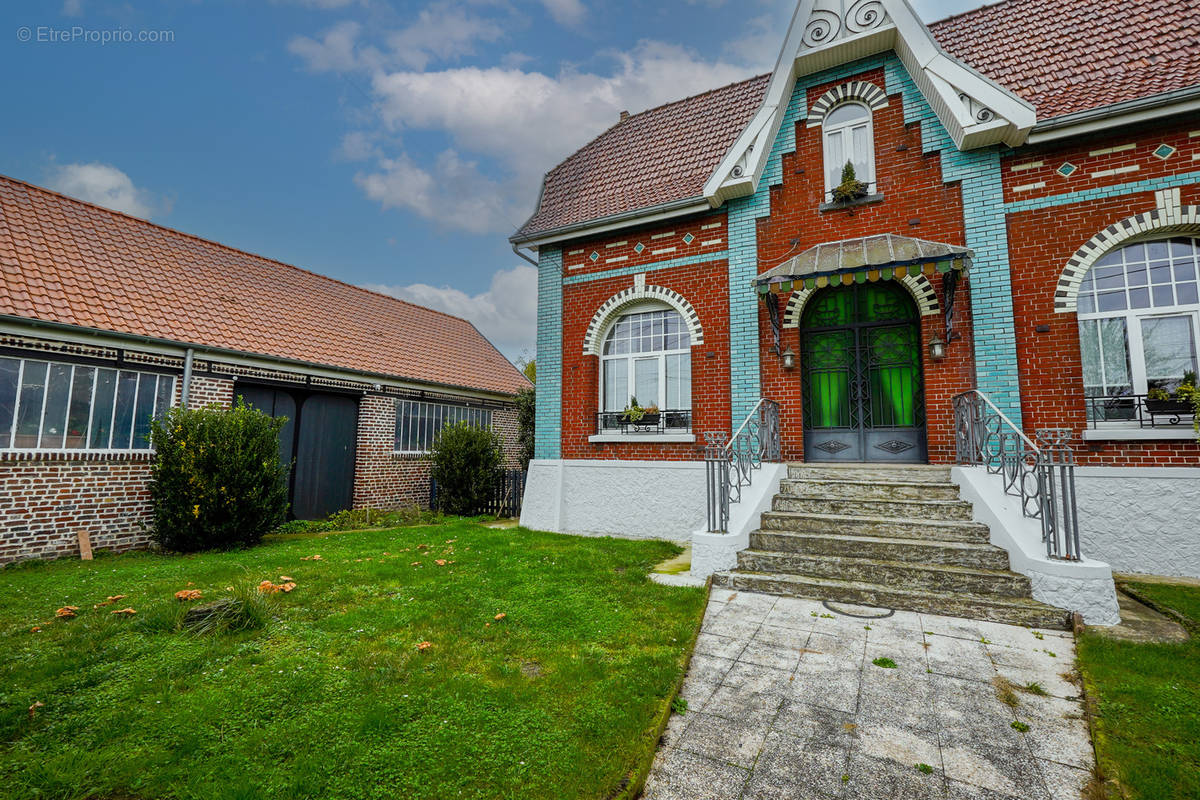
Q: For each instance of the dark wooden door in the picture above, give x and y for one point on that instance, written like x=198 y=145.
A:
x=320 y=435
x=325 y=447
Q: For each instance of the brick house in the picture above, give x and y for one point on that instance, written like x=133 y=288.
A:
x=107 y=320
x=1026 y=224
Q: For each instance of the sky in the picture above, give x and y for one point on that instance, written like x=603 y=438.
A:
x=394 y=145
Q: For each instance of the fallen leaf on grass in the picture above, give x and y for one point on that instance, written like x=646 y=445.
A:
x=415 y=564
x=35 y=629
x=128 y=612
x=287 y=587
x=66 y=612
x=33 y=708
x=423 y=646
x=266 y=587
x=441 y=562
x=188 y=594
x=501 y=615
x=451 y=541
x=311 y=558
x=422 y=547
x=111 y=599
x=286 y=579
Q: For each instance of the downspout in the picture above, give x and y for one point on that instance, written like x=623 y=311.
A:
x=517 y=250
x=187 y=375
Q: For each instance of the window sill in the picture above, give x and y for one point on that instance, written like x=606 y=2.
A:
x=862 y=201
x=642 y=438
x=1121 y=434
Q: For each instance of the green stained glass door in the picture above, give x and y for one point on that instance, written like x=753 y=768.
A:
x=861 y=375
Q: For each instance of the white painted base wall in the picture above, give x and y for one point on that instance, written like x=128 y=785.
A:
x=1084 y=586
x=630 y=499
x=1141 y=519
x=717 y=552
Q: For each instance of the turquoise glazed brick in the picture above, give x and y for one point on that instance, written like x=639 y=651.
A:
x=547 y=440
x=683 y=261
x=1148 y=185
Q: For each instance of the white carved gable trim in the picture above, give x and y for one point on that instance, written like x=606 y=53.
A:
x=863 y=91
x=613 y=307
x=1168 y=218
x=974 y=110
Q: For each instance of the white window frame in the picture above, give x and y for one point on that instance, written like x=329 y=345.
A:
x=845 y=130
x=632 y=358
x=444 y=414
x=8 y=438
x=1133 y=319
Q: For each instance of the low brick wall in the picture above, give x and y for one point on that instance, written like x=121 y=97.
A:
x=46 y=500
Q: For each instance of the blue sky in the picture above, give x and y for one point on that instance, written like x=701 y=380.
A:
x=393 y=144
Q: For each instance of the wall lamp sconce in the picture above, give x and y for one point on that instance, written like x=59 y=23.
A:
x=788 y=359
x=937 y=348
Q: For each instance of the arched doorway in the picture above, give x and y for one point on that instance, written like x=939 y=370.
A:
x=860 y=371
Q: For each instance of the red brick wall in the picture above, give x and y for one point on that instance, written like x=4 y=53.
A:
x=386 y=480
x=915 y=203
x=1041 y=242
x=705 y=286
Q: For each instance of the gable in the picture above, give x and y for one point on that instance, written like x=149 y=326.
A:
x=824 y=34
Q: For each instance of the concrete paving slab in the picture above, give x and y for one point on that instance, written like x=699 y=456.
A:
x=784 y=705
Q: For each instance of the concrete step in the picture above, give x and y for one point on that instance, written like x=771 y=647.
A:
x=883 y=473
x=873 y=507
x=894 y=574
x=976 y=555
x=892 y=490
x=1008 y=610
x=891 y=527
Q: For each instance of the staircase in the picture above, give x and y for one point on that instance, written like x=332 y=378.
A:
x=890 y=536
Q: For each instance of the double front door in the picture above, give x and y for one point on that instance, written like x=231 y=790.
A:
x=860 y=362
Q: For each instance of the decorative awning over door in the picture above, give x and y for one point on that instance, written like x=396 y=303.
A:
x=871 y=258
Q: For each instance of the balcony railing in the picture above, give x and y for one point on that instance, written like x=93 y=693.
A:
x=1139 y=410
x=665 y=421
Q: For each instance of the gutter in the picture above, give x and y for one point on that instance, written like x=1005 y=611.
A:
x=1142 y=109
x=673 y=208
x=248 y=358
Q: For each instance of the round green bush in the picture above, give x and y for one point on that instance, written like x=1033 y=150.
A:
x=466 y=462
x=217 y=482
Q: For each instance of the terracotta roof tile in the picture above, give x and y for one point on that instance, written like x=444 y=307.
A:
x=1061 y=55
x=66 y=261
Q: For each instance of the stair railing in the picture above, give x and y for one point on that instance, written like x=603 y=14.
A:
x=730 y=461
x=1041 y=475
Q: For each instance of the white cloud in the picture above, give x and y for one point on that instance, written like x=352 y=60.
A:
x=72 y=8
x=441 y=31
x=506 y=313
x=522 y=122
x=335 y=51
x=566 y=12
x=104 y=185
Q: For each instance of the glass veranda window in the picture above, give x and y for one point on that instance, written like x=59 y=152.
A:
x=849 y=138
x=1139 y=318
x=647 y=357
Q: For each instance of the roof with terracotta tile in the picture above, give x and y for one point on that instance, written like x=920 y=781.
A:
x=1063 y=56
x=67 y=261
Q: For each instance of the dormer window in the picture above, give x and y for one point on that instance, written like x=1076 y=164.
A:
x=848 y=137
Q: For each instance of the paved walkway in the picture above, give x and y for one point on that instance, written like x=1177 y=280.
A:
x=784 y=703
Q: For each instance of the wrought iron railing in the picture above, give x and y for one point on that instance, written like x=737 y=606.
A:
x=1139 y=409
x=730 y=461
x=1041 y=475
x=667 y=421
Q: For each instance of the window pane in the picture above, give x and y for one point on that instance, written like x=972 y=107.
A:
x=102 y=410
x=679 y=382
x=1105 y=350
x=645 y=381
x=1112 y=301
x=81 y=408
x=123 y=420
x=846 y=113
x=143 y=411
x=861 y=153
x=616 y=384
x=835 y=157
x=1186 y=294
x=29 y=414
x=1139 y=298
x=10 y=373
x=165 y=396
x=1170 y=348
x=54 y=418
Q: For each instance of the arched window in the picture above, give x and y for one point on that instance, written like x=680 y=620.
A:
x=1139 y=317
x=647 y=355
x=848 y=137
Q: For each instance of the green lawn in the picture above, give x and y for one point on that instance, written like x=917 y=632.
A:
x=558 y=699
x=1149 y=703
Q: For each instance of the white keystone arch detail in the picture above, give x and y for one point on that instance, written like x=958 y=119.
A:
x=593 y=343
x=918 y=286
x=862 y=91
x=1169 y=217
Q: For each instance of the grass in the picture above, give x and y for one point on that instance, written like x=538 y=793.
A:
x=332 y=698
x=1148 y=695
x=884 y=662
